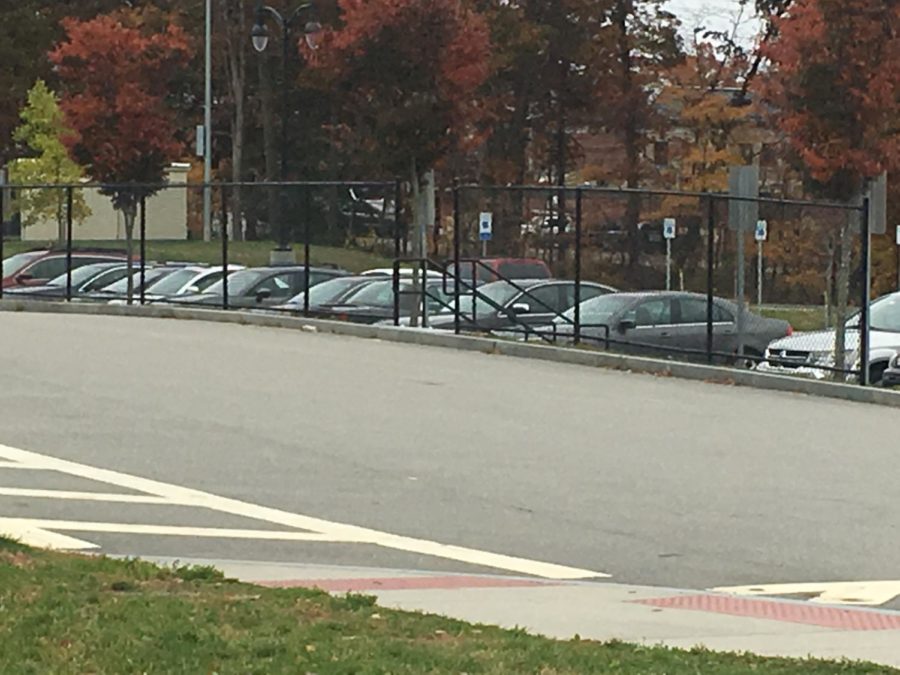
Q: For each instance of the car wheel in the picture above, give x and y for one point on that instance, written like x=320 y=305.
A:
x=876 y=374
x=747 y=363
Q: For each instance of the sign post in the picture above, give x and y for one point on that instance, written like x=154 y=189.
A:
x=485 y=230
x=669 y=235
x=762 y=234
x=898 y=257
x=743 y=182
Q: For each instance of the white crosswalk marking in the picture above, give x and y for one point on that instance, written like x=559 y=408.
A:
x=304 y=528
x=864 y=593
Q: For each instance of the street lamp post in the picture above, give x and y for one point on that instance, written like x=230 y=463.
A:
x=260 y=38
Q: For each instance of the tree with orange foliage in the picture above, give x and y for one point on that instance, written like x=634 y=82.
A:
x=118 y=100
x=837 y=84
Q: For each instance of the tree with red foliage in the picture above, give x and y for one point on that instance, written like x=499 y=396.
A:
x=407 y=72
x=118 y=93
x=836 y=82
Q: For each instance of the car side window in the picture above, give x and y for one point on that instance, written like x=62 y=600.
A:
x=106 y=278
x=542 y=300
x=278 y=286
x=722 y=315
x=657 y=312
x=48 y=268
x=693 y=310
x=208 y=281
x=587 y=292
x=317 y=278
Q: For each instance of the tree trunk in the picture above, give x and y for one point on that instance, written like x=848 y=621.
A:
x=417 y=215
x=845 y=246
x=129 y=213
x=235 y=14
x=631 y=136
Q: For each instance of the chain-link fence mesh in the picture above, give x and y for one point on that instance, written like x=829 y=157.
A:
x=643 y=272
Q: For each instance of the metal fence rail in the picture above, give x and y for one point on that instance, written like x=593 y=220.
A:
x=583 y=234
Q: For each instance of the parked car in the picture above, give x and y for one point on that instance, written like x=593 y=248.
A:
x=811 y=354
x=660 y=322
x=187 y=280
x=36 y=268
x=891 y=377
x=492 y=269
x=504 y=305
x=374 y=303
x=119 y=289
x=260 y=286
x=405 y=272
x=329 y=292
x=85 y=279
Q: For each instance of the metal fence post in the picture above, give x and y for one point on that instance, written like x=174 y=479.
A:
x=578 y=224
x=710 y=259
x=69 y=205
x=395 y=285
x=225 y=252
x=866 y=294
x=306 y=253
x=224 y=189
x=143 y=234
x=457 y=221
x=2 y=220
x=396 y=219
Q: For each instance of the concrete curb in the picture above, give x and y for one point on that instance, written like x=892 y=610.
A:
x=571 y=356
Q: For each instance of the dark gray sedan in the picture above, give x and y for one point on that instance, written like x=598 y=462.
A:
x=667 y=322
x=258 y=287
x=508 y=305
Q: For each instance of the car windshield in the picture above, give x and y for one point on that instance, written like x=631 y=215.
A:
x=238 y=282
x=80 y=275
x=498 y=293
x=151 y=275
x=885 y=314
x=329 y=291
x=597 y=310
x=172 y=283
x=14 y=263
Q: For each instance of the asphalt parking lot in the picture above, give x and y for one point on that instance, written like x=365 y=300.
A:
x=260 y=444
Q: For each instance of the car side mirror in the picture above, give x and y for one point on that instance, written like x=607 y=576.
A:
x=192 y=289
x=521 y=308
x=262 y=295
x=24 y=278
x=626 y=325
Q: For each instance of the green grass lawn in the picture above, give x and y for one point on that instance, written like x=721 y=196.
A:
x=801 y=318
x=63 y=613
x=250 y=253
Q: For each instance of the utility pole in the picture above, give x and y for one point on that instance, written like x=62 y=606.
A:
x=207 y=125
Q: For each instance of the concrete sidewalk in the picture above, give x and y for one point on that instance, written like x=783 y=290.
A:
x=606 y=611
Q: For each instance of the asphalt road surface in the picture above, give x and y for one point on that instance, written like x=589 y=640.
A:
x=650 y=480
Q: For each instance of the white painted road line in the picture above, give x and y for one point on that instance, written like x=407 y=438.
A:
x=864 y=593
x=16 y=465
x=169 y=530
x=335 y=531
x=34 y=536
x=83 y=496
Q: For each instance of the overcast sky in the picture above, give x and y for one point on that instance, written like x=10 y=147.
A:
x=714 y=15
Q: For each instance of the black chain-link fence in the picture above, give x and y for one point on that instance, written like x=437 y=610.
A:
x=654 y=273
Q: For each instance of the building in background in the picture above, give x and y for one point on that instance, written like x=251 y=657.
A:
x=167 y=215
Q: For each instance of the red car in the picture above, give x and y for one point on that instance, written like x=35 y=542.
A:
x=35 y=268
